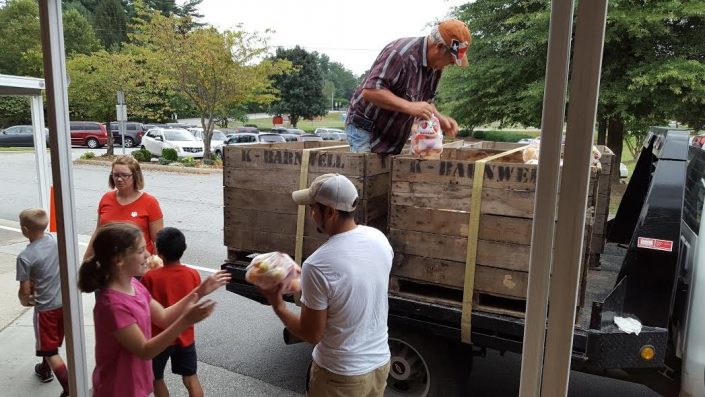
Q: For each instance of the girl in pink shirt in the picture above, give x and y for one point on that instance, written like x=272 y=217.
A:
x=124 y=312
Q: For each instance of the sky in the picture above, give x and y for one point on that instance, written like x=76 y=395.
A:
x=351 y=33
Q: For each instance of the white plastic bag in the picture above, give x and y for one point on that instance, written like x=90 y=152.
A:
x=269 y=270
x=427 y=138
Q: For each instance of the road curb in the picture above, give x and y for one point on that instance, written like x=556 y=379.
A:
x=157 y=167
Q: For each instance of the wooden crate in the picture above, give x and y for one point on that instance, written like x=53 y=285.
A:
x=602 y=204
x=260 y=215
x=428 y=220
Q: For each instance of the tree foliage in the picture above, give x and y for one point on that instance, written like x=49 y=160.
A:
x=653 y=67
x=216 y=71
x=20 y=44
x=301 y=90
x=111 y=23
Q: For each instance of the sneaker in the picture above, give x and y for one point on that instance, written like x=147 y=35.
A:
x=44 y=373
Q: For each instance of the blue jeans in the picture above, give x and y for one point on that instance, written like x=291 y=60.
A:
x=358 y=139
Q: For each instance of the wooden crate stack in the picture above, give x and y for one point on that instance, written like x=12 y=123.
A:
x=602 y=206
x=429 y=215
x=260 y=215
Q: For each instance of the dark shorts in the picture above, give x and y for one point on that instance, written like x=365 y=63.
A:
x=183 y=361
x=49 y=331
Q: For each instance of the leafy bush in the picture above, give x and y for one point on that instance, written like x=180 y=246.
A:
x=251 y=125
x=500 y=136
x=164 y=161
x=87 y=156
x=188 y=161
x=208 y=161
x=170 y=154
x=463 y=133
x=142 y=155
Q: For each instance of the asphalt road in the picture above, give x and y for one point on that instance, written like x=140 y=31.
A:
x=243 y=336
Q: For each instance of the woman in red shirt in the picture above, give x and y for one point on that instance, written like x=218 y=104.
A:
x=128 y=203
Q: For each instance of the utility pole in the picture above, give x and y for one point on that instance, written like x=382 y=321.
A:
x=121 y=110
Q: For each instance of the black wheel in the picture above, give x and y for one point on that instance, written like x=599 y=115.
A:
x=92 y=143
x=128 y=142
x=424 y=365
x=219 y=154
x=142 y=147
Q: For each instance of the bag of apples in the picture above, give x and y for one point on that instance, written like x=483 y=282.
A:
x=427 y=138
x=269 y=270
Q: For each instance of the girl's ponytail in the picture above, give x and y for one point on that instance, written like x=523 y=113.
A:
x=93 y=275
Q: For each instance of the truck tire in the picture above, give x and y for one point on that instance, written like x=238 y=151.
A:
x=424 y=365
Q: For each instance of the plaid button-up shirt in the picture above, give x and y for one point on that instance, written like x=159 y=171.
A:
x=401 y=68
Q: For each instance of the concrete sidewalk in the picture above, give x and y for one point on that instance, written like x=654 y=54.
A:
x=17 y=357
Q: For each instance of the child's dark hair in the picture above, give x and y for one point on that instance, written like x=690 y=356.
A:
x=171 y=244
x=112 y=241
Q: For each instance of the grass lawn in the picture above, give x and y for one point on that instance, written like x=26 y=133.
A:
x=16 y=149
x=331 y=120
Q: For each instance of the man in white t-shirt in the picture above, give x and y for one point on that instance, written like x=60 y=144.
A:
x=343 y=296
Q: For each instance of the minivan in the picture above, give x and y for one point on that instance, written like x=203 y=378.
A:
x=88 y=133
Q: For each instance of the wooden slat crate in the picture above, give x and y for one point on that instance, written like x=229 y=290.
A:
x=602 y=207
x=260 y=215
x=428 y=221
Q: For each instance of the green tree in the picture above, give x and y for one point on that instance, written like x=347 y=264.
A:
x=20 y=42
x=14 y=110
x=216 y=71
x=111 y=23
x=301 y=90
x=653 y=67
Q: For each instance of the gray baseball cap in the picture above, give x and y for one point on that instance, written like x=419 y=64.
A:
x=331 y=190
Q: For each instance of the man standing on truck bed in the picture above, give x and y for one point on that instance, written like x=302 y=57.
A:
x=343 y=296
x=401 y=85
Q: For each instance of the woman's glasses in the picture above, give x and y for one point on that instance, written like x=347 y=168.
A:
x=123 y=176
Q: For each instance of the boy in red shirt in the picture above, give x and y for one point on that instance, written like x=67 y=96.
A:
x=168 y=285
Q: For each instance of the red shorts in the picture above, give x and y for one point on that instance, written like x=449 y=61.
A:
x=49 y=331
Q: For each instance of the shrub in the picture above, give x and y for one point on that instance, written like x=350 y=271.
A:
x=170 y=154
x=463 y=133
x=188 y=161
x=164 y=161
x=87 y=156
x=251 y=125
x=500 y=136
x=142 y=155
x=208 y=161
x=218 y=162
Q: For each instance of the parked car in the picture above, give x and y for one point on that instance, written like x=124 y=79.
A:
x=326 y=130
x=295 y=131
x=248 y=139
x=217 y=138
x=88 y=133
x=331 y=134
x=186 y=145
x=148 y=127
x=623 y=170
x=279 y=130
x=309 y=137
x=133 y=133
x=20 y=136
x=289 y=137
x=252 y=130
x=179 y=125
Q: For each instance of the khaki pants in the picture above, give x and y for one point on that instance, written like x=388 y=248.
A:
x=323 y=383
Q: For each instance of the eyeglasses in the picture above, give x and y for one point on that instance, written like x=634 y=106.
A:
x=123 y=176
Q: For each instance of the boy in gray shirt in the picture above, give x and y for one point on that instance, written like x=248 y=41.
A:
x=40 y=286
